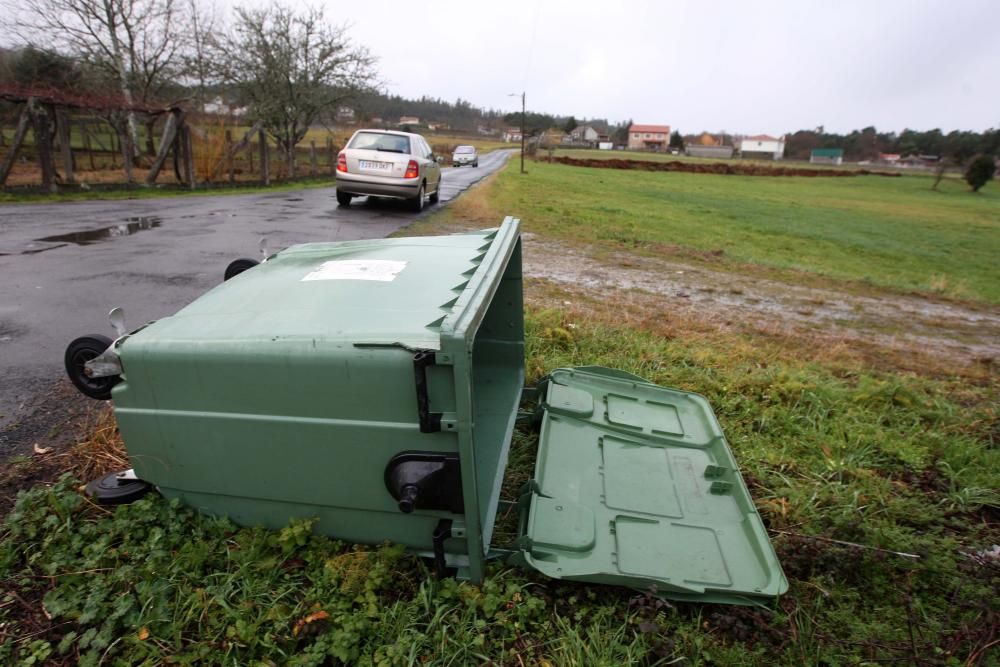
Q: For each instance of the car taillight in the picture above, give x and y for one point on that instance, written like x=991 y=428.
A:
x=412 y=170
x=342 y=163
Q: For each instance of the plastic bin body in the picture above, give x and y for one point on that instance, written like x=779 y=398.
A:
x=285 y=391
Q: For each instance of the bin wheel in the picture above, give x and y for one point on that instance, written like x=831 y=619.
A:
x=109 y=490
x=78 y=353
x=238 y=266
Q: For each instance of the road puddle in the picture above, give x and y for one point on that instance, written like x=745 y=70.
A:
x=128 y=228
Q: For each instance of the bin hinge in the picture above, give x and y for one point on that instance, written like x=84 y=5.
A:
x=430 y=422
x=441 y=532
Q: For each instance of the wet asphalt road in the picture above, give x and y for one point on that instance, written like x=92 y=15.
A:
x=52 y=291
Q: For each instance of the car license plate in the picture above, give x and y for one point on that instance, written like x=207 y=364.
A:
x=375 y=166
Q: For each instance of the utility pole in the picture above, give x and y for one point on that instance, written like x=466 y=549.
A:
x=523 y=113
x=522 y=131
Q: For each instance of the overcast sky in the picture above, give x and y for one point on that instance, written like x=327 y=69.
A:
x=750 y=67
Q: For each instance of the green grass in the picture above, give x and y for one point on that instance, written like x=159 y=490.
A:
x=905 y=464
x=888 y=232
x=831 y=449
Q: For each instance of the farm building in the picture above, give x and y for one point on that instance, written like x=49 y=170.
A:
x=827 y=156
x=512 y=134
x=554 y=137
x=648 y=137
x=408 y=120
x=584 y=134
x=695 y=150
x=762 y=147
x=705 y=139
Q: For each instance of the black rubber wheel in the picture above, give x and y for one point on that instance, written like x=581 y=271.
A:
x=78 y=353
x=476 y=163
x=109 y=490
x=436 y=197
x=417 y=203
x=344 y=198
x=238 y=266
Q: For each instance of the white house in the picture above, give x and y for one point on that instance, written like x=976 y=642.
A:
x=408 y=120
x=584 y=134
x=762 y=146
x=512 y=134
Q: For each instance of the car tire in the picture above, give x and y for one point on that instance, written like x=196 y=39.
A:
x=417 y=203
x=78 y=353
x=343 y=198
x=476 y=163
x=437 y=192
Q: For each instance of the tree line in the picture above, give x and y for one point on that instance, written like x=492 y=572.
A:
x=866 y=144
x=291 y=68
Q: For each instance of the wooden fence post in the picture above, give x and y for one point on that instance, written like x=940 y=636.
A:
x=250 y=158
x=189 y=156
x=230 y=161
x=265 y=159
x=113 y=140
x=15 y=145
x=125 y=143
x=85 y=131
x=43 y=144
x=62 y=130
x=231 y=151
x=167 y=141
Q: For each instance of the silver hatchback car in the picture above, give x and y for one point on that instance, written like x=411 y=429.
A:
x=465 y=155
x=384 y=163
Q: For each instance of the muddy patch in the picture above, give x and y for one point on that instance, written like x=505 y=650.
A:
x=723 y=168
x=895 y=321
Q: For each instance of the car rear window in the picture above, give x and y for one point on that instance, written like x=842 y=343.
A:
x=465 y=149
x=376 y=141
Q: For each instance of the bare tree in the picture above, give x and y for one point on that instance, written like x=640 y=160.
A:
x=199 y=48
x=291 y=68
x=133 y=42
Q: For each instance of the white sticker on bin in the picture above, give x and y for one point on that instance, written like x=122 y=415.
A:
x=384 y=270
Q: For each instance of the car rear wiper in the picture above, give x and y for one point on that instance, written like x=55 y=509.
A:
x=389 y=150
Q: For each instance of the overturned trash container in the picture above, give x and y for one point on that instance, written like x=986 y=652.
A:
x=375 y=386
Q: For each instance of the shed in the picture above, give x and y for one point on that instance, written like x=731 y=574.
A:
x=723 y=152
x=762 y=147
x=827 y=156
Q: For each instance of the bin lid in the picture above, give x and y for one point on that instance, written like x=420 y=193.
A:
x=635 y=485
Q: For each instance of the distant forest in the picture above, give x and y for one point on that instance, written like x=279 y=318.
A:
x=866 y=144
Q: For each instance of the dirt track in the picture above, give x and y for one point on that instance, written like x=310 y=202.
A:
x=723 y=168
x=962 y=333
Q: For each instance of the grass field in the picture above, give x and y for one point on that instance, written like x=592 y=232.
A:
x=888 y=232
x=879 y=484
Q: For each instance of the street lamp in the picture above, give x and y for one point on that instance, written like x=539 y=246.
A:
x=522 y=127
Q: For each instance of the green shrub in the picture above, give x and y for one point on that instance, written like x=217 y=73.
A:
x=980 y=171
